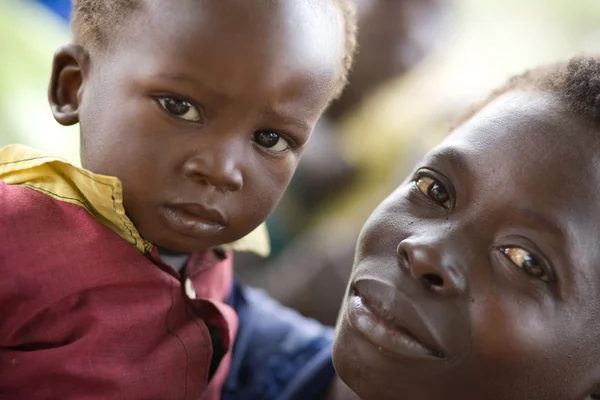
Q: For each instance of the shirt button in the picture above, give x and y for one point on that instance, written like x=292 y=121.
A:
x=189 y=289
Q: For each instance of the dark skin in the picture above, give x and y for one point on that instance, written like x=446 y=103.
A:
x=202 y=119
x=478 y=278
x=189 y=110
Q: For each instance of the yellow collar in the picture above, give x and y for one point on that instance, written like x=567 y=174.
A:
x=101 y=196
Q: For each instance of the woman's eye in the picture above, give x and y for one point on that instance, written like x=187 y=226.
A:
x=272 y=141
x=180 y=109
x=526 y=261
x=434 y=190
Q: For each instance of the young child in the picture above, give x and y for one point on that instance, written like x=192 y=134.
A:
x=116 y=281
x=478 y=277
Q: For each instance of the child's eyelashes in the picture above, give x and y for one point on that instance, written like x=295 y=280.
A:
x=271 y=141
x=433 y=188
x=527 y=262
x=181 y=109
x=268 y=140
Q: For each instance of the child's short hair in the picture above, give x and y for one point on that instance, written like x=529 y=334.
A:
x=576 y=83
x=93 y=21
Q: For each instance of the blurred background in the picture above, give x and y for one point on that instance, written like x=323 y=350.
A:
x=421 y=63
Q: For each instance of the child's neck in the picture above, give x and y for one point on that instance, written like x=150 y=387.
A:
x=174 y=259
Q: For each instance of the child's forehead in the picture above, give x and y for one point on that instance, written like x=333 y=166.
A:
x=282 y=35
x=317 y=23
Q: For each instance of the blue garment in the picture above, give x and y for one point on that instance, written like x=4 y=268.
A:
x=60 y=7
x=278 y=354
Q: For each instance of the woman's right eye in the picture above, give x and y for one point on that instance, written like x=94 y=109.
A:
x=180 y=108
x=434 y=189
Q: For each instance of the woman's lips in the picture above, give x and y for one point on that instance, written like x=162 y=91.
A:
x=387 y=319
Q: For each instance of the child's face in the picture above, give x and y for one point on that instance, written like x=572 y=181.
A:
x=201 y=108
x=479 y=277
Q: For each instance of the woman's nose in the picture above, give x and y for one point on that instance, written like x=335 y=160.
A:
x=438 y=272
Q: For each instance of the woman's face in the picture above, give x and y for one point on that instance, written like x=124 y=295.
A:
x=478 y=277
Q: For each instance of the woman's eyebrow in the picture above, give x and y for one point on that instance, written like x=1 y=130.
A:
x=452 y=156
x=542 y=220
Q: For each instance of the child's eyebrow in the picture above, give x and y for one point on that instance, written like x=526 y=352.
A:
x=191 y=81
x=287 y=120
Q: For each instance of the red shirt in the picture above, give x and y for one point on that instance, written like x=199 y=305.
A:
x=84 y=314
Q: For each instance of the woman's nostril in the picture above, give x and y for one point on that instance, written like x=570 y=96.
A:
x=433 y=280
x=404 y=256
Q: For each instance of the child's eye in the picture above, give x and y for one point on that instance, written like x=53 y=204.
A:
x=526 y=261
x=271 y=140
x=433 y=189
x=180 y=108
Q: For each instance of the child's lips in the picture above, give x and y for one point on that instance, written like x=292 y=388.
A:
x=388 y=320
x=193 y=219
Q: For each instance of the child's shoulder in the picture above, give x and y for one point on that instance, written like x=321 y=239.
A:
x=26 y=195
x=22 y=207
x=26 y=212
x=47 y=212
x=43 y=196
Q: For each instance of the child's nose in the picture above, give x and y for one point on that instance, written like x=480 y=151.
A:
x=217 y=168
x=426 y=262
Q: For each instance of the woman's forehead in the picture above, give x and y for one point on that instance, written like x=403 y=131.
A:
x=528 y=131
x=523 y=117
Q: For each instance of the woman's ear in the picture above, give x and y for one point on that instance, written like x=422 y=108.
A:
x=69 y=69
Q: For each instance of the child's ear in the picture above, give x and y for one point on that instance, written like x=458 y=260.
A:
x=69 y=69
